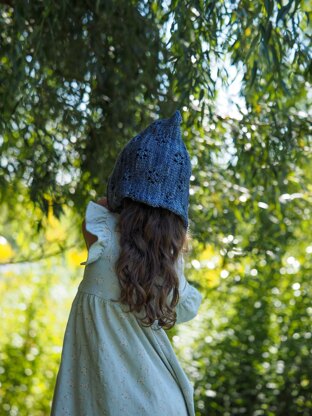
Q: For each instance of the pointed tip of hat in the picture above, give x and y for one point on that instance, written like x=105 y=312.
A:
x=176 y=117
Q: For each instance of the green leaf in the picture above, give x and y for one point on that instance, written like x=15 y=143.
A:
x=201 y=94
x=253 y=73
x=283 y=11
x=265 y=52
x=268 y=30
x=252 y=46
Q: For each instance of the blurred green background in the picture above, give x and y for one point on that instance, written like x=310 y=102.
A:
x=78 y=79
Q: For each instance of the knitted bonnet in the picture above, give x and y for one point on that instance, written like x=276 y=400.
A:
x=154 y=168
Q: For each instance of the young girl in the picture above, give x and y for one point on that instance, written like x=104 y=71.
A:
x=117 y=358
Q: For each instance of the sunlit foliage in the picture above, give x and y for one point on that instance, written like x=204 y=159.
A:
x=77 y=82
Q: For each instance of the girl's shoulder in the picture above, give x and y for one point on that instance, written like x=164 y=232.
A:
x=96 y=212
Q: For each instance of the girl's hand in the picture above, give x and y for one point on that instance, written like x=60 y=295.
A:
x=102 y=201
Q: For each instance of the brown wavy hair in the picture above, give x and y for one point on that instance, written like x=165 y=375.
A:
x=151 y=239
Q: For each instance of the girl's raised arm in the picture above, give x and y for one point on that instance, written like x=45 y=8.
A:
x=88 y=237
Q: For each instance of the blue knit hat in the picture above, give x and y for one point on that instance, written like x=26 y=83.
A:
x=154 y=167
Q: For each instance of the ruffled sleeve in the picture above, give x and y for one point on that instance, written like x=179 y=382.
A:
x=98 y=222
x=190 y=297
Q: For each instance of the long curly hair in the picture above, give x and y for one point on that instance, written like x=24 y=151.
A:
x=151 y=239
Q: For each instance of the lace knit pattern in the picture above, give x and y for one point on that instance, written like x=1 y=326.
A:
x=154 y=167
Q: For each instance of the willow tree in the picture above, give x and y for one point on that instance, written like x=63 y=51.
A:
x=79 y=79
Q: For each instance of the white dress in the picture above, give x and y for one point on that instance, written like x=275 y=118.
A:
x=110 y=364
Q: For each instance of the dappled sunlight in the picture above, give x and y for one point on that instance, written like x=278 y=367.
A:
x=239 y=72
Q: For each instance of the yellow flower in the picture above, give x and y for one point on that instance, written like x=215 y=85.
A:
x=258 y=108
x=75 y=257
x=6 y=251
x=248 y=31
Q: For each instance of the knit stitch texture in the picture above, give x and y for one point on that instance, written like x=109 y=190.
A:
x=154 y=168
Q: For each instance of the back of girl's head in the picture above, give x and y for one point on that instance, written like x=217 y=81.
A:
x=151 y=239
